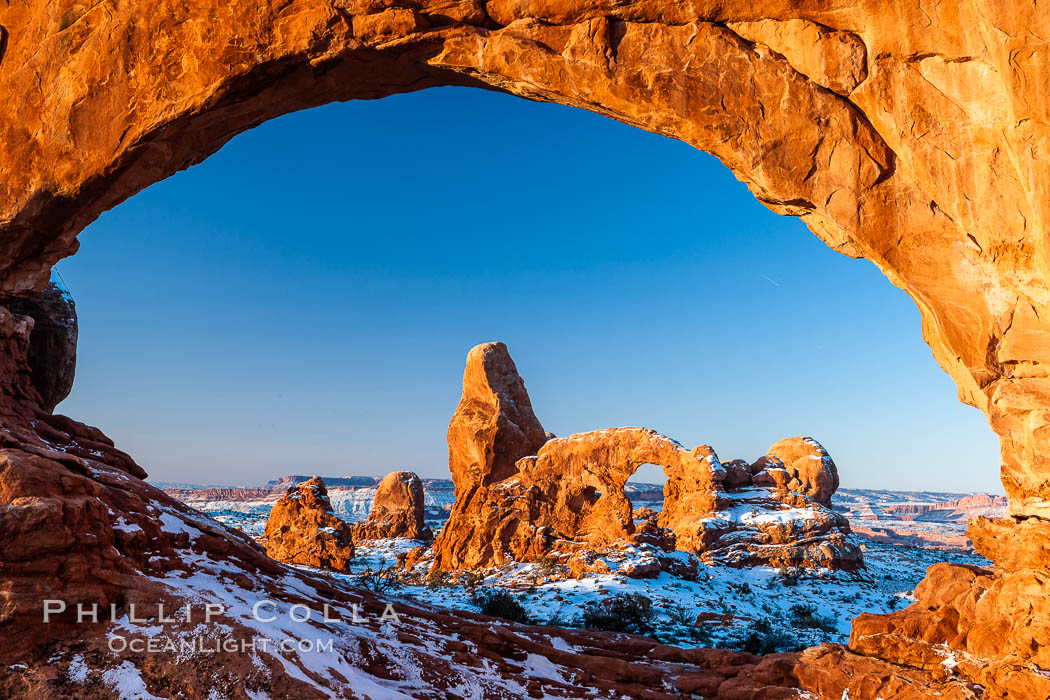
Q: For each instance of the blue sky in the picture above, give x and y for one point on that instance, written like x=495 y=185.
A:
x=303 y=301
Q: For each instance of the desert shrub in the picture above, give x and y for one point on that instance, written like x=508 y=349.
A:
x=470 y=579
x=806 y=616
x=622 y=612
x=544 y=569
x=683 y=618
x=765 y=638
x=700 y=635
x=500 y=603
x=680 y=615
x=380 y=580
x=438 y=579
x=743 y=588
x=789 y=575
x=558 y=620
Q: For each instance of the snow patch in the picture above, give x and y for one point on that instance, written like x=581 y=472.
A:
x=126 y=682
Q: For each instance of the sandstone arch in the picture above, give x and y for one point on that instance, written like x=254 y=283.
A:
x=909 y=134
x=523 y=495
x=601 y=461
x=905 y=135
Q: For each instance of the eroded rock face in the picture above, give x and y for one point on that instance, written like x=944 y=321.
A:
x=928 y=162
x=302 y=529
x=569 y=496
x=397 y=511
x=582 y=479
x=52 y=354
x=809 y=467
x=564 y=492
x=974 y=626
x=493 y=427
x=766 y=515
x=773 y=527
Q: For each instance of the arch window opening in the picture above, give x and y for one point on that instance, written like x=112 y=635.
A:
x=301 y=304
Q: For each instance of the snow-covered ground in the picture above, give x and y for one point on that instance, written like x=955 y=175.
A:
x=791 y=608
x=757 y=609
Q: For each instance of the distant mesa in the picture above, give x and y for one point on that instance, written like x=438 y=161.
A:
x=302 y=529
x=928 y=522
x=523 y=495
x=960 y=510
x=330 y=481
x=398 y=510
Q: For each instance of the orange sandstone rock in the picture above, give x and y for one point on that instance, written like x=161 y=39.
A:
x=302 y=529
x=397 y=510
x=570 y=494
x=970 y=625
x=1012 y=543
x=810 y=469
x=493 y=427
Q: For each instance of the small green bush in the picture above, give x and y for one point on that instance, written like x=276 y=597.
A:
x=500 y=603
x=764 y=638
x=680 y=615
x=380 y=580
x=622 y=612
x=806 y=616
x=700 y=635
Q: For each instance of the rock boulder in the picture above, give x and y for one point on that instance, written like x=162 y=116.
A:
x=809 y=467
x=302 y=529
x=494 y=425
x=52 y=354
x=397 y=510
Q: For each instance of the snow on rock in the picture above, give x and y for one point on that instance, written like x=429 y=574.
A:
x=730 y=601
x=126 y=683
